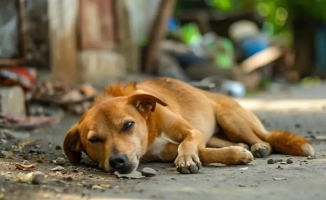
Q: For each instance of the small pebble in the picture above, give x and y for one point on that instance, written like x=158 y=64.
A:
x=58 y=147
x=279 y=179
x=289 y=161
x=283 y=163
x=37 y=177
x=270 y=161
x=311 y=157
x=58 y=168
x=37 y=146
x=25 y=162
x=298 y=125
x=60 y=161
x=279 y=167
x=146 y=171
x=36 y=151
x=3 y=154
x=8 y=135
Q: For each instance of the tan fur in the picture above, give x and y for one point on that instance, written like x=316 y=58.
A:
x=174 y=122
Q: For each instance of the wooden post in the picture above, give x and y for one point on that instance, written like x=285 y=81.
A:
x=123 y=36
x=63 y=43
x=157 y=33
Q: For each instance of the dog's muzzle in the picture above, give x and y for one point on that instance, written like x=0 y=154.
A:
x=120 y=162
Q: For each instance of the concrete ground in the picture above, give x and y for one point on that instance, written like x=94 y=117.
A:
x=297 y=109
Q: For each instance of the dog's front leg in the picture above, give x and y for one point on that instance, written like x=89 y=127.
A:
x=188 y=160
x=190 y=141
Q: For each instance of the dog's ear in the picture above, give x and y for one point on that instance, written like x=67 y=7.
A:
x=72 y=145
x=145 y=101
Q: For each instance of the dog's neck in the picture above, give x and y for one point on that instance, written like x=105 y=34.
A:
x=152 y=129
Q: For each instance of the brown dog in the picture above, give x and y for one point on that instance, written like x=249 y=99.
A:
x=167 y=120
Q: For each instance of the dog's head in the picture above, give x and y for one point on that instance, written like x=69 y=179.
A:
x=113 y=132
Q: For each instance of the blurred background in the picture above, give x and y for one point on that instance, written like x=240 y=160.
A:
x=61 y=51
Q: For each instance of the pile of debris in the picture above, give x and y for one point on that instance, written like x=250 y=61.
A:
x=231 y=65
x=26 y=102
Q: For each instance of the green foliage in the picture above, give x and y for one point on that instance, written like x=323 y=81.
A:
x=278 y=13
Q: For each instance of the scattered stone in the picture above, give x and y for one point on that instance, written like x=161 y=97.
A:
x=132 y=175
x=279 y=179
x=24 y=178
x=243 y=168
x=37 y=146
x=289 y=161
x=279 y=167
x=58 y=168
x=81 y=173
x=270 y=161
x=3 y=154
x=242 y=186
x=8 y=135
x=173 y=179
x=25 y=162
x=279 y=160
x=40 y=159
x=37 y=177
x=60 y=161
x=298 y=125
x=36 y=151
x=324 y=154
x=58 y=147
x=311 y=157
x=283 y=163
x=148 y=172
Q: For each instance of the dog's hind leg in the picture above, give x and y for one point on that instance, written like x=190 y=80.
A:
x=215 y=142
x=235 y=122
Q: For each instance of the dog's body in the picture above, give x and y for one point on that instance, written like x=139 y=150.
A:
x=167 y=120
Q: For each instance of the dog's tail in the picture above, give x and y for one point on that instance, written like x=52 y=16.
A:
x=288 y=143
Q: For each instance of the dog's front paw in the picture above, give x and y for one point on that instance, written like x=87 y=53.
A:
x=188 y=164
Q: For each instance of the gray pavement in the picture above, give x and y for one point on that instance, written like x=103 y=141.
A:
x=297 y=109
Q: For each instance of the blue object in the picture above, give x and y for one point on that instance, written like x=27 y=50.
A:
x=173 y=25
x=254 y=45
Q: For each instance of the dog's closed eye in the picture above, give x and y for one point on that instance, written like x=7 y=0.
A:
x=127 y=125
x=95 y=140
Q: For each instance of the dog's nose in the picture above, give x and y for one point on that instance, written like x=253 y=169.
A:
x=118 y=161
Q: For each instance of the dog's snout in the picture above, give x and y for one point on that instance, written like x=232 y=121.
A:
x=118 y=161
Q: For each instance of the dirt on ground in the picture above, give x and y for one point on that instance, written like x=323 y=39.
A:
x=289 y=178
